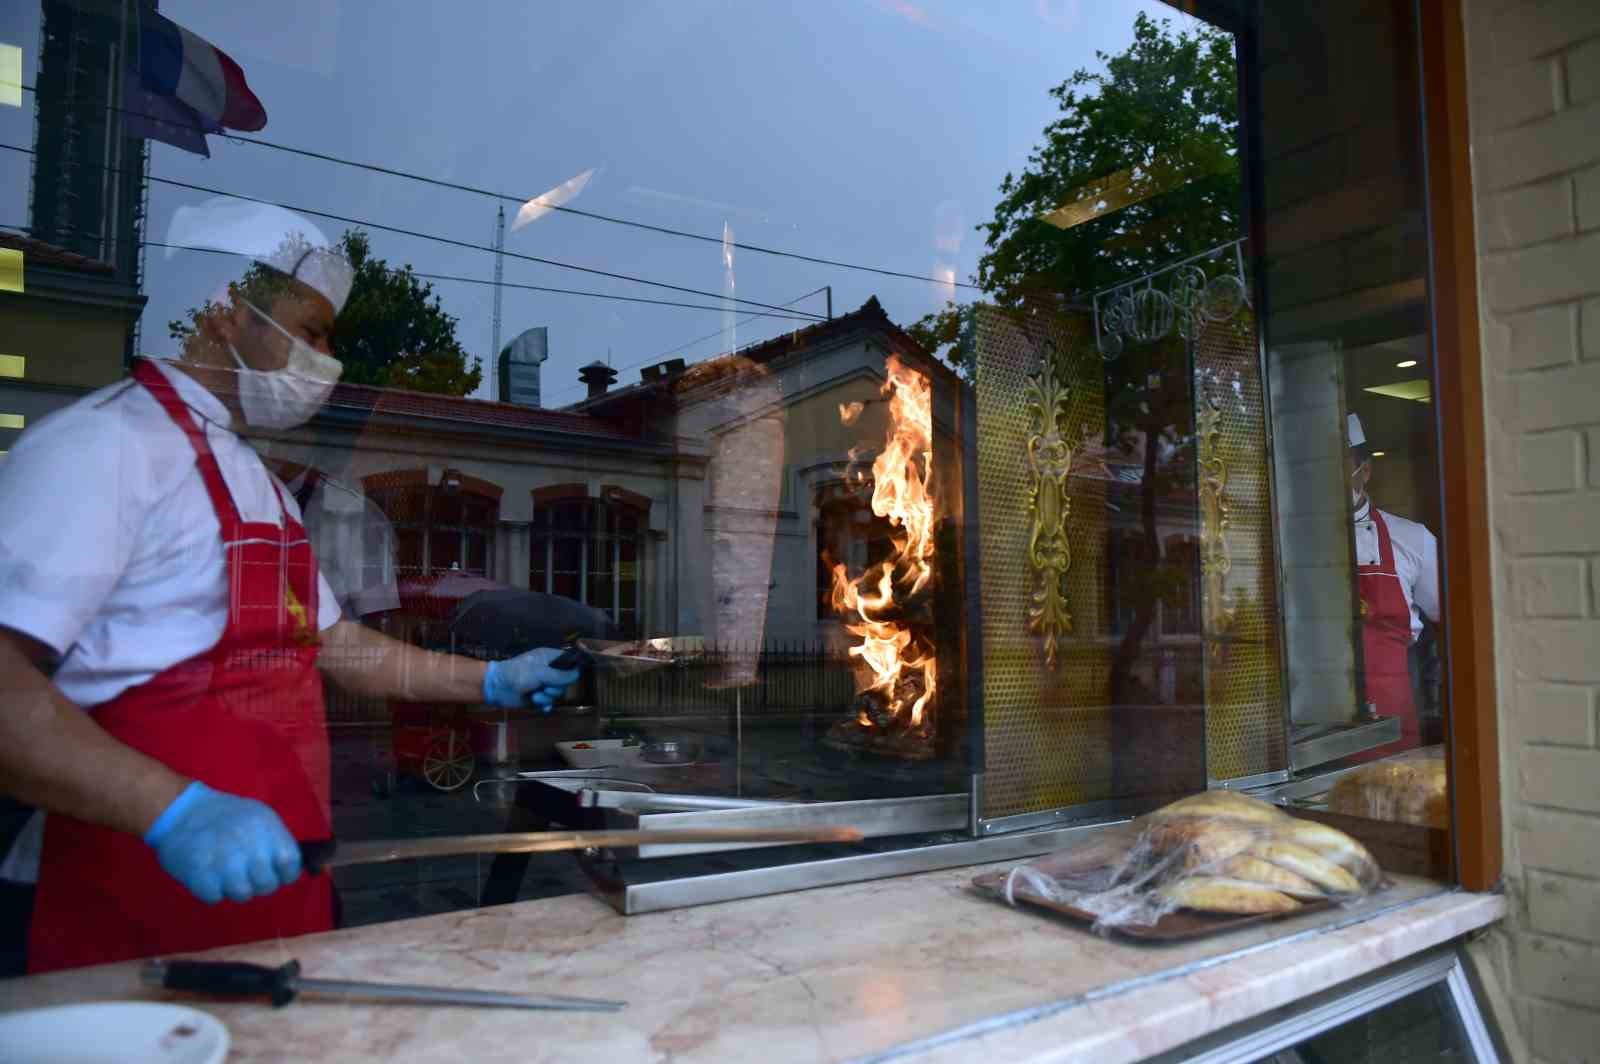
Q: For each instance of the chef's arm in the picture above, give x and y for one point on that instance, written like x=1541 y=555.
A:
x=54 y=756
x=365 y=662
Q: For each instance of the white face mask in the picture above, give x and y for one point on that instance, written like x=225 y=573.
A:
x=285 y=398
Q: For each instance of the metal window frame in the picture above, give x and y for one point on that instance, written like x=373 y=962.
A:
x=1292 y=1024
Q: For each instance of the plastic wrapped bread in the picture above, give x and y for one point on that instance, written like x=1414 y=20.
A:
x=1404 y=791
x=1218 y=852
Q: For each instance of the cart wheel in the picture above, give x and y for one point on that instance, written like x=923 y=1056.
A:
x=448 y=763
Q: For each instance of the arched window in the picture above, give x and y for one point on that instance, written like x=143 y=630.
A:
x=438 y=528
x=589 y=549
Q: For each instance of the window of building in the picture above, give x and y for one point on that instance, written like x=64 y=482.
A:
x=589 y=550
x=848 y=532
x=440 y=528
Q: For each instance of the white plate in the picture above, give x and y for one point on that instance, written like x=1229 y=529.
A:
x=598 y=753
x=112 y=1032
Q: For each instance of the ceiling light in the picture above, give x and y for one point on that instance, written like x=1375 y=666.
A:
x=1379 y=454
x=1407 y=364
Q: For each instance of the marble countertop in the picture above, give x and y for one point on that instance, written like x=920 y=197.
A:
x=919 y=968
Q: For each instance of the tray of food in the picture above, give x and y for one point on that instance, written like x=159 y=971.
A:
x=639 y=655
x=1209 y=863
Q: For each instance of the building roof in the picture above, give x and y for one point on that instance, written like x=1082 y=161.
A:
x=38 y=253
x=870 y=315
x=480 y=412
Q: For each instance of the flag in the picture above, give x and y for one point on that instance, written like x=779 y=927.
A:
x=184 y=87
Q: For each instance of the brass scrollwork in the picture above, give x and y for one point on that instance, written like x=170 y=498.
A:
x=1049 y=462
x=1215 y=560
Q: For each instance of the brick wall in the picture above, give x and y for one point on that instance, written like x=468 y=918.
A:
x=1534 y=75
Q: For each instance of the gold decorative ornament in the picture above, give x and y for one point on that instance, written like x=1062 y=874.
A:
x=1215 y=561
x=1049 y=462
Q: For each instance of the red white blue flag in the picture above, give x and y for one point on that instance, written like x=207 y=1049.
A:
x=185 y=87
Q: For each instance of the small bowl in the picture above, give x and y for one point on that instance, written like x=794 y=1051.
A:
x=669 y=752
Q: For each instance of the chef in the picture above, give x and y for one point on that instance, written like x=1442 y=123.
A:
x=1397 y=569
x=164 y=624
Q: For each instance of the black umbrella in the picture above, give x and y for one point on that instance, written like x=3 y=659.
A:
x=507 y=621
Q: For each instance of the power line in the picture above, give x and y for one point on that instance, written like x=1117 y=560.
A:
x=451 y=241
x=698 y=340
x=594 y=216
x=789 y=316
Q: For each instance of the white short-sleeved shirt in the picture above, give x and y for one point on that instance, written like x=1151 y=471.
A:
x=110 y=550
x=1416 y=560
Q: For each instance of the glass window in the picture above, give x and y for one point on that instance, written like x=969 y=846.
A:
x=1034 y=394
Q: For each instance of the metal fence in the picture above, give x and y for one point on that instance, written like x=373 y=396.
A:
x=773 y=681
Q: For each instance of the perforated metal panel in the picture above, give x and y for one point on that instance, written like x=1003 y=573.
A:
x=1246 y=730
x=1046 y=729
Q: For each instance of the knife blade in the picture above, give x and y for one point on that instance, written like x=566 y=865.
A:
x=283 y=984
x=318 y=854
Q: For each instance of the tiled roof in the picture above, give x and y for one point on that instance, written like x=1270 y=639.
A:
x=38 y=253
x=869 y=315
x=473 y=411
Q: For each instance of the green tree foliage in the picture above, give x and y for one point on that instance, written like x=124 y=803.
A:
x=392 y=332
x=1150 y=140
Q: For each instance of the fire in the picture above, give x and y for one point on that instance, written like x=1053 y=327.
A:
x=901 y=667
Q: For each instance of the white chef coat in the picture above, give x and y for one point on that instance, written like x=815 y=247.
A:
x=110 y=551
x=1416 y=560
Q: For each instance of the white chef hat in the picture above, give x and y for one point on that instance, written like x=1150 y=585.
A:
x=1352 y=429
x=271 y=235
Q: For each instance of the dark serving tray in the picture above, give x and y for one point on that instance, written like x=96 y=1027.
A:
x=1176 y=926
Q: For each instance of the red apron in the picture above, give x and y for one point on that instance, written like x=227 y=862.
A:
x=245 y=717
x=1385 y=643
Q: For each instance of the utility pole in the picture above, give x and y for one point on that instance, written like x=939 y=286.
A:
x=829 y=289
x=499 y=274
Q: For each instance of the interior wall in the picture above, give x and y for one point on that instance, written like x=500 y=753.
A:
x=1534 y=75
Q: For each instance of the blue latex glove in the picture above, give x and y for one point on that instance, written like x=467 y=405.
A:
x=513 y=683
x=223 y=846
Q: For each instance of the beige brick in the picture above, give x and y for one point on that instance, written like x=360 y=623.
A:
x=1544 y=273
x=1526 y=30
x=1562 y=905
x=1558 y=144
x=1558 y=651
x=1587 y=199
x=1562 y=1033
x=1547 y=462
x=1583 y=72
x=1552 y=588
x=1593 y=459
x=1556 y=713
x=1564 y=971
x=1558 y=842
x=1544 y=337
x=1517 y=93
x=1590 y=330
x=1530 y=214
x=1561 y=777
x=1555 y=399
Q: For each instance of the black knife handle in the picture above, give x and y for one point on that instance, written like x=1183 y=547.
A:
x=573 y=656
x=316 y=853
x=233 y=979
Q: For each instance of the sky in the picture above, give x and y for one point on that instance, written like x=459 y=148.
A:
x=866 y=131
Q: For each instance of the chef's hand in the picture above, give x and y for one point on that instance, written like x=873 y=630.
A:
x=513 y=683
x=223 y=846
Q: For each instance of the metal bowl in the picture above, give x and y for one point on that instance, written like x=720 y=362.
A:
x=669 y=752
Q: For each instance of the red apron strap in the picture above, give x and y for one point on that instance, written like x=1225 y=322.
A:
x=146 y=373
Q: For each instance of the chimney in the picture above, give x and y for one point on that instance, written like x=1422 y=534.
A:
x=519 y=368
x=598 y=376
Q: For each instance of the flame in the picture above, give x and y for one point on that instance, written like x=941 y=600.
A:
x=903 y=668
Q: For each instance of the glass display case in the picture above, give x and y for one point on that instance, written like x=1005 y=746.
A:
x=970 y=428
